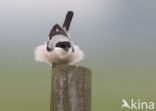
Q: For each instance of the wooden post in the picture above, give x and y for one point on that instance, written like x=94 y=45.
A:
x=70 y=88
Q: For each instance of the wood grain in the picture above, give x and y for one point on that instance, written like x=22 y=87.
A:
x=70 y=88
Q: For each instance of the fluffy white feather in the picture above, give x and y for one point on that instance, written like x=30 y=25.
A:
x=58 y=55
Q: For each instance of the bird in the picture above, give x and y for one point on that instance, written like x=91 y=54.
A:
x=125 y=104
x=59 y=48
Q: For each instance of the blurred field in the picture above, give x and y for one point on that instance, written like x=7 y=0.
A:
x=25 y=85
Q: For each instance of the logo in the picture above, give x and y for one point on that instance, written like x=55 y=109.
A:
x=137 y=104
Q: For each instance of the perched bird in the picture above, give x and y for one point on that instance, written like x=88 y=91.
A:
x=59 y=49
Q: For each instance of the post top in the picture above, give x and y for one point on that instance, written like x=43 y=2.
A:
x=65 y=66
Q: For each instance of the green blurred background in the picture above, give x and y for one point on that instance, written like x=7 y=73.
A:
x=117 y=36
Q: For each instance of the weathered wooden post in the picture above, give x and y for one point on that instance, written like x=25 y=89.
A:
x=70 y=88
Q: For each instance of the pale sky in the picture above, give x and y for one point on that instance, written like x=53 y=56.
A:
x=108 y=27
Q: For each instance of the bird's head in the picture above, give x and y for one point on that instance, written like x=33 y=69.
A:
x=64 y=45
x=59 y=40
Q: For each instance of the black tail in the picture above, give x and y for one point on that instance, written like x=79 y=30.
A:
x=68 y=19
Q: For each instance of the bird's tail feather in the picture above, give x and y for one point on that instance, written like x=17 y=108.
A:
x=68 y=20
